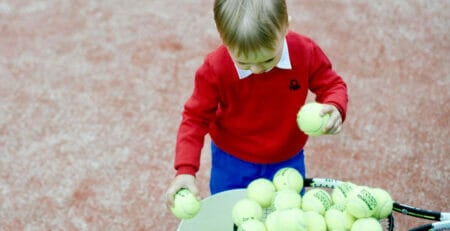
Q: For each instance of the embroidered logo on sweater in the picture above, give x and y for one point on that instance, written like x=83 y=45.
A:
x=294 y=85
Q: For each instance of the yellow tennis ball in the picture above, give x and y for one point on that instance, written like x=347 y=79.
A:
x=186 y=205
x=317 y=200
x=246 y=209
x=339 y=207
x=349 y=220
x=314 y=221
x=286 y=199
x=384 y=203
x=262 y=191
x=252 y=225
x=361 y=202
x=291 y=220
x=335 y=219
x=341 y=192
x=272 y=221
x=309 y=119
x=367 y=224
x=288 y=178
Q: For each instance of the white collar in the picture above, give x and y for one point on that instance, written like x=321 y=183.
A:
x=284 y=63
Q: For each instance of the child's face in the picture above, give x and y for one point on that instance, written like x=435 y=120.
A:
x=261 y=61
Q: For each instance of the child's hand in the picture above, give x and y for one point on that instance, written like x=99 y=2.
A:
x=181 y=181
x=334 y=124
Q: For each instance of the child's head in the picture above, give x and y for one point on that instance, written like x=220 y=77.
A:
x=252 y=30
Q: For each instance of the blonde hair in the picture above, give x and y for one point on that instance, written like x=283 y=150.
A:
x=247 y=26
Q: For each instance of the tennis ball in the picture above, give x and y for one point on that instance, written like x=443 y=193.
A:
x=384 y=203
x=349 y=220
x=186 y=205
x=272 y=221
x=252 y=225
x=309 y=119
x=339 y=207
x=361 y=202
x=335 y=219
x=316 y=199
x=286 y=199
x=367 y=224
x=314 y=221
x=246 y=209
x=341 y=192
x=288 y=178
x=291 y=220
x=262 y=191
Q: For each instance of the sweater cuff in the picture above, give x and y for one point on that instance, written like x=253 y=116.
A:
x=186 y=169
x=340 y=109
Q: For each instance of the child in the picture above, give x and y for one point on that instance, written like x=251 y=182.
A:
x=247 y=94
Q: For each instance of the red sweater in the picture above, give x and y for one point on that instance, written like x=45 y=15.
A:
x=254 y=119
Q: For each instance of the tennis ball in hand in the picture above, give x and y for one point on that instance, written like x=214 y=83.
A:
x=252 y=225
x=286 y=199
x=384 y=203
x=367 y=224
x=341 y=192
x=314 y=221
x=309 y=119
x=262 y=191
x=246 y=209
x=288 y=178
x=361 y=202
x=317 y=200
x=186 y=205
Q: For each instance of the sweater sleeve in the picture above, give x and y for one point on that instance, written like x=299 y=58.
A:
x=199 y=111
x=325 y=83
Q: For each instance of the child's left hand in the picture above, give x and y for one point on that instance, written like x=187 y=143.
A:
x=334 y=125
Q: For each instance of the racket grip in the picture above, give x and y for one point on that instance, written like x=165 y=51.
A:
x=321 y=182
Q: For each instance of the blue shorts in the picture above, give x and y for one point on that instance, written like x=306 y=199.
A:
x=229 y=172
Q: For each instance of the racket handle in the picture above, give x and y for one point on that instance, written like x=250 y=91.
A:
x=321 y=182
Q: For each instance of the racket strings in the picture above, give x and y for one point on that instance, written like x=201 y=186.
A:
x=388 y=223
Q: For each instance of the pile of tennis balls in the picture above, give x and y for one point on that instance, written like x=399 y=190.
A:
x=347 y=207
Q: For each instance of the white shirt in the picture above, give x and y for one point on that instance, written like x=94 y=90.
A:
x=284 y=63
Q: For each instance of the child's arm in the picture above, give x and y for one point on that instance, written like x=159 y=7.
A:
x=199 y=111
x=328 y=87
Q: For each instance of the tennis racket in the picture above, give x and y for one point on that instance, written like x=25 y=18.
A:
x=442 y=218
x=215 y=213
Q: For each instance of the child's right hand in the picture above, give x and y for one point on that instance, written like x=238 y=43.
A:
x=181 y=181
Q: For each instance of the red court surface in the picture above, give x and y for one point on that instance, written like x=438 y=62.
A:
x=91 y=94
